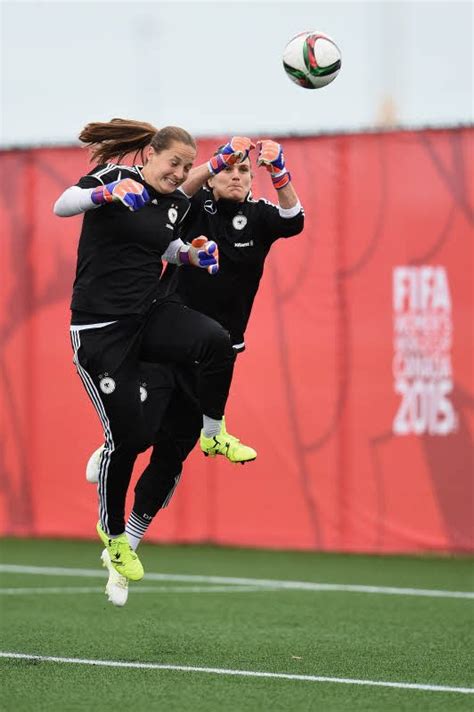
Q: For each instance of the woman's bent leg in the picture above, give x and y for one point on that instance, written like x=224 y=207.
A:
x=181 y=335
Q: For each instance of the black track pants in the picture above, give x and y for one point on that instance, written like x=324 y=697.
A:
x=179 y=335
x=178 y=431
x=107 y=359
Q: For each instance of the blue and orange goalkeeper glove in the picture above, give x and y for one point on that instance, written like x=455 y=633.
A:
x=132 y=194
x=202 y=253
x=207 y=254
x=236 y=151
x=272 y=158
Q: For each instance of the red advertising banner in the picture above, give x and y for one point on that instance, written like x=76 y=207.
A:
x=356 y=387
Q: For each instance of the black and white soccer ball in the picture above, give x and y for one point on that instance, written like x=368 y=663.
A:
x=312 y=59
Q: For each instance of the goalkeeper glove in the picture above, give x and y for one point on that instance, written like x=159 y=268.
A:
x=236 y=151
x=271 y=156
x=202 y=253
x=132 y=194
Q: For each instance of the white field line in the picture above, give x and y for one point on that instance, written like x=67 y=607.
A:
x=242 y=673
x=227 y=580
x=138 y=589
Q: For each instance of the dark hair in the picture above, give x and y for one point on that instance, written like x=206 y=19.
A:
x=118 y=138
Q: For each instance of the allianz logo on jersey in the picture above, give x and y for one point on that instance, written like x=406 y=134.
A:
x=244 y=244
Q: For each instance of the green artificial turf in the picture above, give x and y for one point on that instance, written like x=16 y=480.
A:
x=338 y=634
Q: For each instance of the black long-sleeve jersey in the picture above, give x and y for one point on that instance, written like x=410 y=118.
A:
x=119 y=256
x=244 y=233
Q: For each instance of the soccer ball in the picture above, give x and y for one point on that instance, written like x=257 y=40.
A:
x=312 y=59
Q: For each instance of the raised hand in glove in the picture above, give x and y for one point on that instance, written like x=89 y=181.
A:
x=236 y=151
x=132 y=194
x=271 y=157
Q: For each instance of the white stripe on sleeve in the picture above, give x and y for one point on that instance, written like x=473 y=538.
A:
x=290 y=212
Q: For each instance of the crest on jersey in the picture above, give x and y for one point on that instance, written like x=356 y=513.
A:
x=239 y=222
x=209 y=207
x=172 y=215
x=107 y=384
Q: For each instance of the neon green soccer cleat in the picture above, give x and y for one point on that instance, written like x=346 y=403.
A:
x=122 y=557
x=228 y=446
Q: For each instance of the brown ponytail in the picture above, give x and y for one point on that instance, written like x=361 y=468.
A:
x=118 y=138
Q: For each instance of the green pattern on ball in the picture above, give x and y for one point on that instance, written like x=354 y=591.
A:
x=324 y=71
x=299 y=76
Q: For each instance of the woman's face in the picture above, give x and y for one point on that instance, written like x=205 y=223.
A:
x=233 y=182
x=168 y=169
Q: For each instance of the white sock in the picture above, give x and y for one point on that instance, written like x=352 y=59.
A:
x=133 y=541
x=211 y=426
x=135 y=529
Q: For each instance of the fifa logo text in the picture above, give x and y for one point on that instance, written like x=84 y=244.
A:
x=422 y=333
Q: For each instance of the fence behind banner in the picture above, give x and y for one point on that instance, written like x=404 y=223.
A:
x=356 y=387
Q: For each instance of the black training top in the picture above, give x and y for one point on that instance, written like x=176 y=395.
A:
x=119 y=255
x=244 y=233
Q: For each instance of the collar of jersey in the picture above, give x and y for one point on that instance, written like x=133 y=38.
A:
x=228 y=206
x=153 y=193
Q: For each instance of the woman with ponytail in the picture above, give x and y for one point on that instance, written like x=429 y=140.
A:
x=122 y=315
